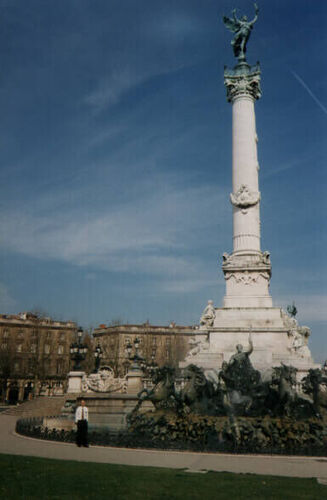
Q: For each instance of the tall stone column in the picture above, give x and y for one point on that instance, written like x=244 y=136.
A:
x=247 y=270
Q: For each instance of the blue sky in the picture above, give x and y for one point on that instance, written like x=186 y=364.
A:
x=115 y=144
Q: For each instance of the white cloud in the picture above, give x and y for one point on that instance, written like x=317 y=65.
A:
x=111 y=88
x=156 y=234
x=204 y=280
x=160 y=40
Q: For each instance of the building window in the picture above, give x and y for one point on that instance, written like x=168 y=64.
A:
x=4 y=346
x=33 y=333
x=61 y=337
x=33 y=348
x=60 y=366
x=30 y=365
x=5 y=333
x=48 y=335
x=60 y=349
x=167 y=354
x=19 y=347
x=154 y=340
x=168 y=341
x=16 y=366
x=127 y=340
x=20 y=334
x=46 y=349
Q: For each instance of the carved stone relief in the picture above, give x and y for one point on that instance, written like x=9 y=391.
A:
x=244 y=198
x=104 y=381
x=247 y=278
x=244 y=84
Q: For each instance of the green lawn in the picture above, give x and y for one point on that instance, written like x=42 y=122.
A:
x=38 y=478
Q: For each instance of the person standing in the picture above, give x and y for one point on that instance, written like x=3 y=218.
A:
x=81 y=420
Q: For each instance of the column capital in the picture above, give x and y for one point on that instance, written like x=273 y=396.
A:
x=243 y=80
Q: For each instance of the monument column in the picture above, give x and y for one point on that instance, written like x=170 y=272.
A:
x=247 y=270
x=242 y=90
x=247 y=311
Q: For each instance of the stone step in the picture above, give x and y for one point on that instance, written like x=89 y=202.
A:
x=38 y=407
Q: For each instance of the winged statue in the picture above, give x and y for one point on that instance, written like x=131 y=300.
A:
x=242 y=29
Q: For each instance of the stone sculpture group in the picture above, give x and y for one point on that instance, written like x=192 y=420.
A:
x=238 y=410
x=239 y=390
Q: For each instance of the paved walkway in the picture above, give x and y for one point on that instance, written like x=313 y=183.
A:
x=14 y=444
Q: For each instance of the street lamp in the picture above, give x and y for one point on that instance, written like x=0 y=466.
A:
x=153 y=366
x=137 y=359
x=97 y=357
x=78 y=351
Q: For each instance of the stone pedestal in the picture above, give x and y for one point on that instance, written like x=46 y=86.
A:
x=134 y=381
x=75 y=382
x=276 y=338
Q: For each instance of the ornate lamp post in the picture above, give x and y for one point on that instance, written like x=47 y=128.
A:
x=137 y=359
x=78 y=351
x=135 y=374
x=153 y=366
x=97 y=357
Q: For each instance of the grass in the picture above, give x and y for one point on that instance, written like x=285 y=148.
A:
x=37 y=478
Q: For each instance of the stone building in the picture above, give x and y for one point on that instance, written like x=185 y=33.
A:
x=34 y=355
x=159 y=344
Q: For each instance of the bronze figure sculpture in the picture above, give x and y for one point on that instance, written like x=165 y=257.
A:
x=242 y=29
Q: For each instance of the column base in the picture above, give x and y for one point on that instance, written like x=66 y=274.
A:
x=247 y=278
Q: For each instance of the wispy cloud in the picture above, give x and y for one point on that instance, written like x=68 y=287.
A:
x=152 y=235
x=295 y=163
x=110 y=89
x=311 y=94
x=157 y=52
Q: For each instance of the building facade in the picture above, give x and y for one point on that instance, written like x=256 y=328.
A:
x=34 y=355
x=163 y=345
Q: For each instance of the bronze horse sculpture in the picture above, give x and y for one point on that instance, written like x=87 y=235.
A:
x=284 y=377
x=198 y=394
x=163 y=389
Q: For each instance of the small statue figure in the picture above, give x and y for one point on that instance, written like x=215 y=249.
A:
x=239 y=374
x=265 y=258
x=226 y=258
x=300 y=341
x=241 y=358
x=208 y=315
x=242 y=29
x=292 y=311
x=197 y=345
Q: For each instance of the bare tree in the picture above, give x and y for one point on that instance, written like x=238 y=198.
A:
x=7 y=355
